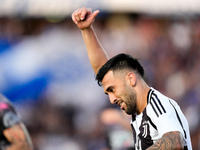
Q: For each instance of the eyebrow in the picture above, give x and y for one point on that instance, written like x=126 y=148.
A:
x=108 y=89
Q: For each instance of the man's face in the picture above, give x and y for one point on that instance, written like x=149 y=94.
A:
x=120 y=91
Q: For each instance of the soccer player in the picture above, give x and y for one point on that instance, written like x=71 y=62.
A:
x=13 y=133
x=157 y=121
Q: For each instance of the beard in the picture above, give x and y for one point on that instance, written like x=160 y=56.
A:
x=130 y=101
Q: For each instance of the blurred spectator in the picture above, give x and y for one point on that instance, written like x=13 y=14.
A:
x=118 y=129
x=13 y=133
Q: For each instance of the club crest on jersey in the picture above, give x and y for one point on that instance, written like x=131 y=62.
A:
x=145 y=127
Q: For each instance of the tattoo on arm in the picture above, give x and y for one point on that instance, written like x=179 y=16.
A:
x=169 y=141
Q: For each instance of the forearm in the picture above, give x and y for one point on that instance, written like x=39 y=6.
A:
x=18 y=137
x=169 y=141
x=96 y=53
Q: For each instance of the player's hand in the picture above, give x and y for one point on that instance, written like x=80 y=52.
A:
x=111 y=116
x=84 y=17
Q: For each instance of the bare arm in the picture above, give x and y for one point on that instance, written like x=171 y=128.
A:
x=169 y=141
x=84 y=18
x=19 y=138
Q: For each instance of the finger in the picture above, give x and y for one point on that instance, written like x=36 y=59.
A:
x=83 y=13
x=89 y=10
x=73 y=18
x=77 y=15
x=95 y=13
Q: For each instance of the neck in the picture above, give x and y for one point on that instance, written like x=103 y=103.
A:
x=142 y=93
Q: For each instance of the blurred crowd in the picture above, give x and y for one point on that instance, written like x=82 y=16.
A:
x=66 y=112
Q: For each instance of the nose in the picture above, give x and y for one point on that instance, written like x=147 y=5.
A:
x=112 y=98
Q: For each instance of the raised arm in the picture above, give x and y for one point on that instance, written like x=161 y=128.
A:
x=83 y=18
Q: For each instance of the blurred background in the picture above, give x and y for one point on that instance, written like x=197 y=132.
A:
x=45 y=71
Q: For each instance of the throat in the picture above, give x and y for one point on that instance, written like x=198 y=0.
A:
x=142 y=100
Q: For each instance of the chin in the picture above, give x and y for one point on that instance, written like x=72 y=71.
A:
x=129 y=113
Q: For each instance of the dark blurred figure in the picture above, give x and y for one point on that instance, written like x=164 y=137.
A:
x=13 y=133
x=117 y=128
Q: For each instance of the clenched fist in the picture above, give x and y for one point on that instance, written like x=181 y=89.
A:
x=84 y=17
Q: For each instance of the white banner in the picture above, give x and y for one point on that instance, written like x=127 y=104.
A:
x=42 y=8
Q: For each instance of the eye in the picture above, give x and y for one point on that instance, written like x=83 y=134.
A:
x=111 y=90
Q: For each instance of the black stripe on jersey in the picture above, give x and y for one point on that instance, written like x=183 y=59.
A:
x=149 y=95
x=159 y=102
x=144 y=135
x=155 y=101
x=134 y=134
x=154 y=109
x=153 y=125
x=156 y=105
x=179 y=119
x=149 y=100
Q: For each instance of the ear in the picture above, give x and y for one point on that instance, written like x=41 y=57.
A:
x=131 y=78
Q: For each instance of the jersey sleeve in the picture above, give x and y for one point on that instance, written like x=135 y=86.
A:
x=165 y=114
x=8 y=115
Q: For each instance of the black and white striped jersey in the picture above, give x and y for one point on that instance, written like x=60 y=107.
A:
x=160 y=116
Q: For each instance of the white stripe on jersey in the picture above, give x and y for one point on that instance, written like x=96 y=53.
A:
x=160 y=116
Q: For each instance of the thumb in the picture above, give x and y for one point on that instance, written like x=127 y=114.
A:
x=95 y=13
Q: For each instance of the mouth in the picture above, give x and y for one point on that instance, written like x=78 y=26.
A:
x=119 y=103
